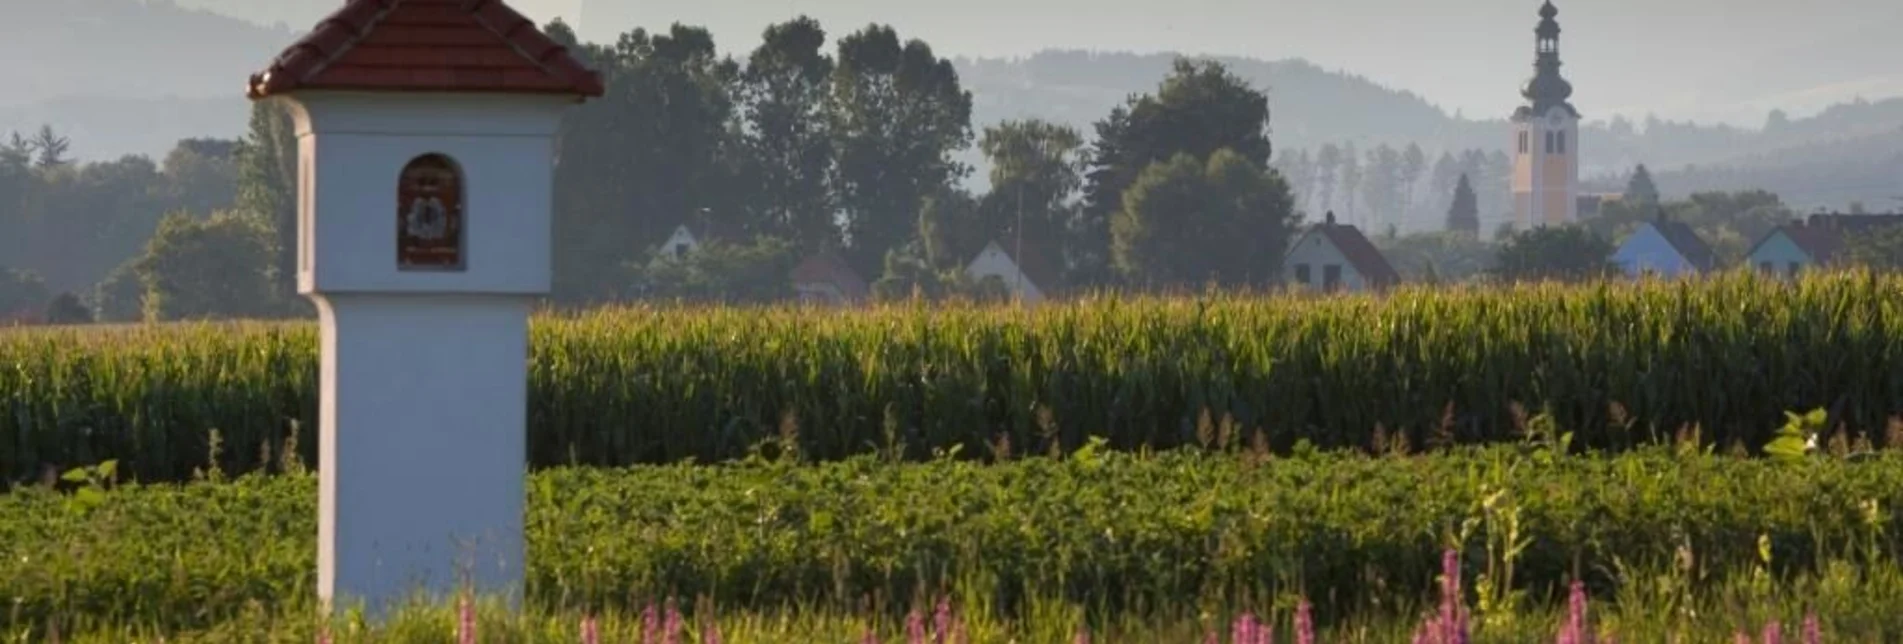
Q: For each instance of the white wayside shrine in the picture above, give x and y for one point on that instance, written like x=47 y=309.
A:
x=425 y=133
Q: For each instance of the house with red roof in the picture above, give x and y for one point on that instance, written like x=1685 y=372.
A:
x=825 y=278
x=1331 y=257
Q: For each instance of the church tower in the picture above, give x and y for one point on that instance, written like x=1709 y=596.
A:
x=1546 y=137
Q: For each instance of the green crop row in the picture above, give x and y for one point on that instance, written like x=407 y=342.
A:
x=1116 y=531
x=1620 y=365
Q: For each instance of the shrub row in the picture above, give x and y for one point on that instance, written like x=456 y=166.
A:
x=1122 y=531
x=1618 y=364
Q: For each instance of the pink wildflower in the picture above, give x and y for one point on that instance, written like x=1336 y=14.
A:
x=1304 y=623
x=1210 y=637
x=941 y=621
x=465 y=622
x=650 y=625
x=1773 y=633
x=712 y=636
x=674 y=626
x=1083 y=635
x=914 y=628
x=589 y=632
x=1813 y=633
x=1244 y=630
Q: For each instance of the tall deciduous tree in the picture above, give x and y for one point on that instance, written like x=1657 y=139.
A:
x=1187 y=221
x=1199 y=108
x=658 y=148
x=898 y=113
x=1563 y=253
x=208 y=269
x=783 y=94
x=1035 y=175
x=1463 y=215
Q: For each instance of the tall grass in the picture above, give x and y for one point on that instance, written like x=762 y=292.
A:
x=1620 y=365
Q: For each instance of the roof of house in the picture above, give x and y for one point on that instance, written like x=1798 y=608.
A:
x=1036 y=264
x=426 y=46
x=1687 y=242
x=827 y=267
x=1821 y=243
x=1361 y=253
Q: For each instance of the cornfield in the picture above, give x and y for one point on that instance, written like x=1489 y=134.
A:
x=1618 y=365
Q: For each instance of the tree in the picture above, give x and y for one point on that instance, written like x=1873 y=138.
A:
x=784 y=92
x=267 y=161
x=897 y=114
x=719 y=272
x=1413 y=166
x=1445 y=174
x=1035 y=174
x=1562 y=253
x=1328 y=164
x=1187 y=221
x=1382 y=185
x=1463 y=215
x=218 y=267
x=1438 y=257
x=22 y=292
x=51 y=148
x=662 y=145
x=67 y=309
x=120 y=297
x=1878 y=249
x=1199 y=108
x=1640 y=189
x=1351 y=173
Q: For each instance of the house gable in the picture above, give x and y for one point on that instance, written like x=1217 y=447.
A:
x=1650 y=250
x=994 y=262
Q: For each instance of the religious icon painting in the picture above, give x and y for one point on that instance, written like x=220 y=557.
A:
x=429 y=215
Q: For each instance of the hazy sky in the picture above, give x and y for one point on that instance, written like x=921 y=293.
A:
x=1705 y=59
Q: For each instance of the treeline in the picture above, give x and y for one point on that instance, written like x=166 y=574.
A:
x=68 y=229
x=849 y=146
x=1397 y=190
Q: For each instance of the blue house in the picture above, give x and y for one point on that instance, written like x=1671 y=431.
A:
x=1801 y=245
x=1664 y=248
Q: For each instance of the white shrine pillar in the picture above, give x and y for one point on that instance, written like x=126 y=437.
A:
x=424 y=191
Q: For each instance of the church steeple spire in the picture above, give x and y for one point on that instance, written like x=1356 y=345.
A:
x=1547 y=89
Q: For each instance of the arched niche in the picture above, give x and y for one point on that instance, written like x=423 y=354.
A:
x=430 y=231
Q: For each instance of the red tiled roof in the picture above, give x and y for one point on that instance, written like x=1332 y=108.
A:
x=1367 y=260
x=829 y=268
x=426 y=46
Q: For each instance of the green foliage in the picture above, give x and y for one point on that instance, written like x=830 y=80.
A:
x=1445 y=257
x=21 y=292
x=783 y=93
x=208 y=269
x=1440 y=365
x=1880 y=248
x=121 y=296
x=1729 y=222
x=1463 y=215
x=267 y=188
x=1639 y=190
x=1198 y=109
x=897 y=115
x=67 y=309
x=1798 y=437
x=720 y=272
x=1151 y=538
x=1188 y=221
x=1564 y=253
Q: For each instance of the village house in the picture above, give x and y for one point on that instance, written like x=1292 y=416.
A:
x=825 y=278
x=1819 y=242
x=1336 y=257
x=1030 y=280
x=1664 y=248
